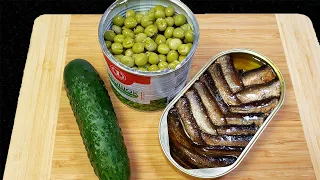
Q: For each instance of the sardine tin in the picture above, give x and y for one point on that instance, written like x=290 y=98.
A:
x=220 y=171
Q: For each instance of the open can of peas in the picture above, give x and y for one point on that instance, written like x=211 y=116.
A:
x=148 y=48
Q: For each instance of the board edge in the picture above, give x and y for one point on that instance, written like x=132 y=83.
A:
x=296 y=30
x=29 y=116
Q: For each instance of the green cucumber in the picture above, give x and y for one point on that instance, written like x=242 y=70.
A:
x=96 y=120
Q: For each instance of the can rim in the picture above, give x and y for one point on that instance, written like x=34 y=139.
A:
x=227 y=169
x=147 y=73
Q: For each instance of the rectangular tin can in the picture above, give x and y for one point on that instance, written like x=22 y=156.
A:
x=219 y=171
x=146 y=91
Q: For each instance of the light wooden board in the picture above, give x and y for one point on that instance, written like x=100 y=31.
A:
x=303 y=57
x=46 y=144
x=32 y=141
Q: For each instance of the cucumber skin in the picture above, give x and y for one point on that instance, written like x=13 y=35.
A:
x=96 y=120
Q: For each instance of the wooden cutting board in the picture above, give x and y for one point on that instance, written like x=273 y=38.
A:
x=45 y=141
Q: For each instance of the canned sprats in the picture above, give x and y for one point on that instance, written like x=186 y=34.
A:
x=209 y=127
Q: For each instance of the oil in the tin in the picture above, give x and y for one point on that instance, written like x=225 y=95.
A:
x=245 y=62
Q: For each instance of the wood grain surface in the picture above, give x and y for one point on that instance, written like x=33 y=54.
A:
x=32 y=140
x=303 y=60
x=46 y=143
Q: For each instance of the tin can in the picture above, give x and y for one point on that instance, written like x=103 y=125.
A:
x=219 y=171
x=146 y=91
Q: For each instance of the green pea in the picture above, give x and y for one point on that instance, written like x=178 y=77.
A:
x=181 y=58
x=160 y=39
x=151 y=16
x=128 y=33
x=116 y=29
x=172 y=65
x=169 y=11
x=145 y=21
x=172 y=55
x=138 y=47
x=142 y=69
x=117 y=48
x=175 y=43
x=130 y=13
x=135 y=67
x=134 y=55
x=129 y=52
x=162 y=57
x=168 y=41
x=159 y=14
x=141 y=59
x=152 y=10
x=161 y=24
x=123 y=27
x=151 y=30
x=119 y=38
x=138 y=29
x=177 y=62
x=141 y=37
x=190 y=45
x=163 y=65
x=150 y=45
x=184 y=49
x=108 y=44
x=128 y=42
x=109 y=35
x=186 y=27
x=118 y=20
x=188 y=35
x=153 y=67
x=158 y=20
x=170 y=21
x=159 y=8
x=153 y=58
x=130 y=22
x=163 y=49
x=119 y=57
x=178 y=33
x=138 y=17
x=168 y=32
x=128 y=61
x=179 y=19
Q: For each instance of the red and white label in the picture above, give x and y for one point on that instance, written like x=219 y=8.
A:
x=118 y=74
x=142 y=89
x=126 y=77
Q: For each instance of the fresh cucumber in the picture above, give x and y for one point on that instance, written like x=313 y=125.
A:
x=96 y=120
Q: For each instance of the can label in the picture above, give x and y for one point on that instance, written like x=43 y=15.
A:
x=146 y=93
